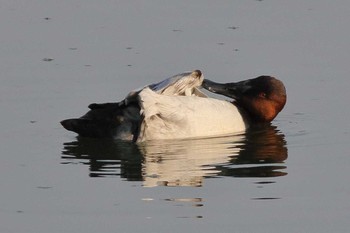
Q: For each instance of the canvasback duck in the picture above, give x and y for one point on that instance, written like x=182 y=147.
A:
x=176 y=109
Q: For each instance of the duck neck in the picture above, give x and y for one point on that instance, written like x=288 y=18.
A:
x=249 y=116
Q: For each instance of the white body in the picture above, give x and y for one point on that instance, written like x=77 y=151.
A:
x=175 y=117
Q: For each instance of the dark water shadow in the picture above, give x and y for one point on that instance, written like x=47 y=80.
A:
x=260 y=152
x=105 y=157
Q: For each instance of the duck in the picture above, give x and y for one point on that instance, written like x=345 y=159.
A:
x=177 y=108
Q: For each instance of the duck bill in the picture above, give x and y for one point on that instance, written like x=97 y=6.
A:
x=232 y=90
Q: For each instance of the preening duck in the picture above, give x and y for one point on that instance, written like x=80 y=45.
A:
x=175 y=109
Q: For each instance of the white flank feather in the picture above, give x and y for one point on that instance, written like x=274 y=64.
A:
x=171 y=117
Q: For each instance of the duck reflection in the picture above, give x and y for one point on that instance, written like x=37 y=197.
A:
x=260 y=152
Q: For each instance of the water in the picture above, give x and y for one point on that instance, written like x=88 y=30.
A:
x=58 y=57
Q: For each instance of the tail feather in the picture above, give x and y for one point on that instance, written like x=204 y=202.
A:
x=89 y=127
x=108 y=120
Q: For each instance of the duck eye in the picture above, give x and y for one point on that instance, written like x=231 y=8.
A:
x=262 y=95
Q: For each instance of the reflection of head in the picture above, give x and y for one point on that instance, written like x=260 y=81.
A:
x=264 y=149
x=266 y=144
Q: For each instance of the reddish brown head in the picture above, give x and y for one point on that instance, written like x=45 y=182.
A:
x=262 y=97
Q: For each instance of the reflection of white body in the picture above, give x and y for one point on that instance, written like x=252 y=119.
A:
x=172 y=117
x=186 y=162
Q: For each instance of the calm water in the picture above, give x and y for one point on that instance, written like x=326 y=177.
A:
x=59 y=56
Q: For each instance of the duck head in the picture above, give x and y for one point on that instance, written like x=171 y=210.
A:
x=262 y=97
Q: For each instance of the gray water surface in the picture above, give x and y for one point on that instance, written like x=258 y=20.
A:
x=56 y=57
